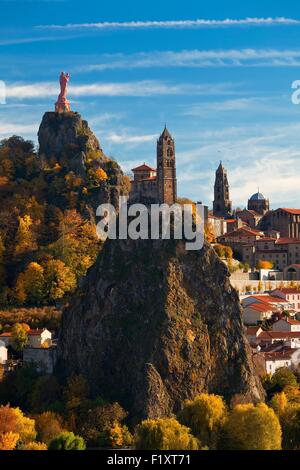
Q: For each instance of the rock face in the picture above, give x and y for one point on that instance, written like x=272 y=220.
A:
x=60 y=132
x=66 y=139
x=153 y=325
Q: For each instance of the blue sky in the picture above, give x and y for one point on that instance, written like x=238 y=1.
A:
x=218 y=73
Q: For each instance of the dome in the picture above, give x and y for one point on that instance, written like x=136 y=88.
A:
x=257 y=197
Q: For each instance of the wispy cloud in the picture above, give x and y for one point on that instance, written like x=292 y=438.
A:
x=137 y=88
x=131 y=139
x=7 y=129
x=197 y=58
x=183 y=24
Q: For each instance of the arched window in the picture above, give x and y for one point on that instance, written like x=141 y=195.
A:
x=169 y=152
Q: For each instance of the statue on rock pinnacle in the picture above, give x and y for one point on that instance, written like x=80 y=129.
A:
x=63 y=105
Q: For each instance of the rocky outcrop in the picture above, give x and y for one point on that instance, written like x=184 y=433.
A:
x=153 y=325
x=65 y=139
x=67 y=133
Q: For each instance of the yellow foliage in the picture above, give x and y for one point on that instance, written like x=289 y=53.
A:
x=251 y=427
x=205 y=415
x=164 y=434
x=101 y=174
x=262 y=264
x=13 y=420
x=279 y=403
x=8 y=440
x=35 y=446
x=119 y=436
x=25 y=239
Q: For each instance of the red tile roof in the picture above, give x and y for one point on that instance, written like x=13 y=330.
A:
x=281 y=335
x=263 y=307
x=287 y=241
x=252 y=330
x=143 y=167
x=287 y=290
x=284 y=353
x=243 y=230
x=267 y=298
x=290 y=211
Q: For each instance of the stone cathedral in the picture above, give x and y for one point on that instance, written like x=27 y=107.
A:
x=157 y=185
x=222 y=206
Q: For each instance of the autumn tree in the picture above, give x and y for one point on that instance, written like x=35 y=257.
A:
x=8 y=440
x=164 y=434
x=19 y=334
x=32 y=283
x=48 y=425
x=76 y=391
x=101 y=424
x=205 y=415
x=59 y=280
x=290 y=423
x=25 y=238
x=264 y=264
x=35 y=446
x=251 y=427
x=45 y=393
x=12 y=420
x=67 y=441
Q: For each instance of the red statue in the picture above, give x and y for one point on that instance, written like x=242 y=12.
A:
x=63 y=105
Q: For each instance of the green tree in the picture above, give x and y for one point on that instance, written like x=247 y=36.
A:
x=282 y=378
x=67 y=441
x=252 y=427
x=164 y=434
x=205 y=415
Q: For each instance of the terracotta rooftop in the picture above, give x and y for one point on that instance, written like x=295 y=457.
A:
x=252 y=330
x=267 y=298
x=290 y=211
x=143 y=167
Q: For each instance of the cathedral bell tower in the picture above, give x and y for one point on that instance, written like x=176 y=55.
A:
x=222 y=206
x=166 y=169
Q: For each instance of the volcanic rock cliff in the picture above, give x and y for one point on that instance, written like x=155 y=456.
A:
x=65 y=139
x=154 y=324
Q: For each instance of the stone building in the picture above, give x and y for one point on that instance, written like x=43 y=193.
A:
x=222 y=206
x=259 y=204
x=157 y=185
x=286 y=221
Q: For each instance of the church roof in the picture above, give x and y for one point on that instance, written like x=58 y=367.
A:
x=165 y=133
x=143 y=167
x=257 y=197
x=221 y=168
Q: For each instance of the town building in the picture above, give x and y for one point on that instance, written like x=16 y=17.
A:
x=286 y=221
x=258 y=204
x=222 y=205
x=36 y=338
x=277 y=304
x=249 y=217
x=3 y=353
x=286 y=324
x=286 y=357
x=157 y=185
x=257 y=312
